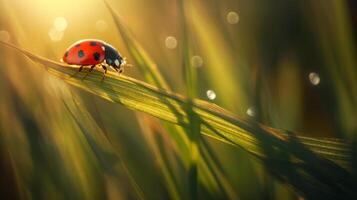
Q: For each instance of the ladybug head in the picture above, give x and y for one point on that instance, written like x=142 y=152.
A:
x=113 y=58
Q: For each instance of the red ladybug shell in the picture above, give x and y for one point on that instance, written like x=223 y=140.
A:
x=85 y=52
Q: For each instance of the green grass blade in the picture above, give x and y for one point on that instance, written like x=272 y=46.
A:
x=98 y=141
x=143 y=61
x=149 y=70
x=194 y=124
x=153 y=138
x=283 y=153
x=138 y=95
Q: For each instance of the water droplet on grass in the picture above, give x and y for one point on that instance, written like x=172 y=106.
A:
x=232 y=17
x=251 y=111
x=170 y=42
x=314 y=78
x=211 y=95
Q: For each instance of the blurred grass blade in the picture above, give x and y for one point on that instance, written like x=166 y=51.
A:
x=107 y=156
x=148 y=68
x=217 y=171
x=283 y=152
x=143 y=61
x=194 y=124
x=153 y=137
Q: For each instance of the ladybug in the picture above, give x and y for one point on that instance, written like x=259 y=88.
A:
x=91 y=52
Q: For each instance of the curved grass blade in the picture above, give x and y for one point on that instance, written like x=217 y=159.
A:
x=141 y=96
x=145 y=64
x=282 y=152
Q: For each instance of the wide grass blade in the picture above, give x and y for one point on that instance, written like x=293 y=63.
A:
x=306 y=163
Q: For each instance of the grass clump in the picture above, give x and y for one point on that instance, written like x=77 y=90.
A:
x=313 y=166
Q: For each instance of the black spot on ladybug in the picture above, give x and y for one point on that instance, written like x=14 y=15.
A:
x=66 y=54
x=96 y=56
x=80 y=53
x=78 y=45
x=93 y=43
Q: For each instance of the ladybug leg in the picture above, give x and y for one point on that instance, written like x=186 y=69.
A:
x=91 y=68
x=80 y=68
x=119 y=70
x=116 y=69
x=105 y=71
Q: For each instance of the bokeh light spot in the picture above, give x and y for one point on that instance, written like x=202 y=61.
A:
x=251 y=111
x=196 y=61
x=314 y=78
x=170 y=42
x=232 y=17
x=101 y=25
x=211 y=95
x=4 y=36
x=55 y=35
x=60 y=23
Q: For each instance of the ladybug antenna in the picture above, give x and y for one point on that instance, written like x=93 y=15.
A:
x=126 y=64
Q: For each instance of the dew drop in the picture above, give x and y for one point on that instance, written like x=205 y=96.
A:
x=60 y=23
x=314 y=78
x=232 y=17
x=251 y=111
x=196 y=61
x=101 y=25
x=211 y=95
x=170 y=42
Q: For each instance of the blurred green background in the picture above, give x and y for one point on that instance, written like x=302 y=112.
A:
x=288 y=64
